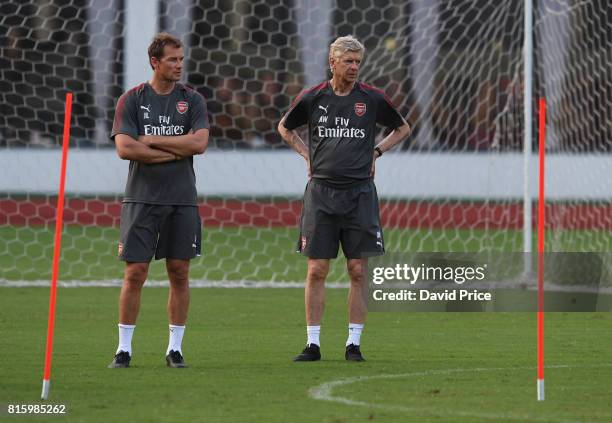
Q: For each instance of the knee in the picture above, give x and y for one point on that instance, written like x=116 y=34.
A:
x=356 y=271
x=317 y=274
x=178 y=273
x=136 y=274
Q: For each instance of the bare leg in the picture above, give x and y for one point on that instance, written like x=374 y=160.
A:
x=178 y=297
x=129 y=300
x=314 y=294
x=356 y=297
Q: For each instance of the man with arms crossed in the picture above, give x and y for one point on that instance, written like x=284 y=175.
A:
x=340 y=202
x=159 y=126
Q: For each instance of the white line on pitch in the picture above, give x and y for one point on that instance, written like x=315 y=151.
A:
x=323 y=392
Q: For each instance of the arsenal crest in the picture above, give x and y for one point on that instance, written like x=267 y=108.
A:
x=360 y=109
x=182 y=106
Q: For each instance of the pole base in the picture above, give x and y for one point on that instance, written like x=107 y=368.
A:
x=45 y=389
x=540 y=389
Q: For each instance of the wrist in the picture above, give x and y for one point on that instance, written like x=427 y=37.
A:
x=379 y=151
x=148 y=141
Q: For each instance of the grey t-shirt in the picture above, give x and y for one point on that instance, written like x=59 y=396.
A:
x=342 y=130
x=141 y=111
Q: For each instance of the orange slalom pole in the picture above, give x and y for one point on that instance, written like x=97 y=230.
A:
x=541 y=216
x=57 y=248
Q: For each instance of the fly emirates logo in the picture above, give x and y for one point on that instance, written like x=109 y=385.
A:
x=165 y=127
x=341 y=130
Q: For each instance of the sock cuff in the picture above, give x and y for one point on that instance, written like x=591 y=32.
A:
x=317 y=327
x=122 y=326
x=176 y=326
x=356 y=325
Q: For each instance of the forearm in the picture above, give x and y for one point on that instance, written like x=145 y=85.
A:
x=394 y=138
x=293 y=140
x=181 y=145
x=142 y=153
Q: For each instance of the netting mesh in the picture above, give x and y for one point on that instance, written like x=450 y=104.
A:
x=453 y=68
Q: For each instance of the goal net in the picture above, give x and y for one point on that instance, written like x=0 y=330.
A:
x=453 y=68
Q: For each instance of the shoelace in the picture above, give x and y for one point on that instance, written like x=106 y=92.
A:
x=176 y=356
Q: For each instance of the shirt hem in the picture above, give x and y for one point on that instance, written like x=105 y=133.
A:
x=160 y=203
x=342 y=185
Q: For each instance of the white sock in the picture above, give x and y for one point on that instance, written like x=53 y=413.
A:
x=176 y=338
x=125 y=338
x=354 y=335
x=313 y=333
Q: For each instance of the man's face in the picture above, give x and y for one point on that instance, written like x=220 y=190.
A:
x=346 y=66
x=170 y=66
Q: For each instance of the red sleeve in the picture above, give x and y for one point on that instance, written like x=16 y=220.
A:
x=126 y=120
x=199 y=114
x=298 y=113
x=387 y=115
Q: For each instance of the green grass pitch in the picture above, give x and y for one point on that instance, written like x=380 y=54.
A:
x=422 y=367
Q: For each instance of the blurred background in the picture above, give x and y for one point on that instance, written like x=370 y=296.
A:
x=453 y=68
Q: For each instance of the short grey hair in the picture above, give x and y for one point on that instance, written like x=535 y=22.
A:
x=343 y=44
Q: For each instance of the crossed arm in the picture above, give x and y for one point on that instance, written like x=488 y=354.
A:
x=160 y=149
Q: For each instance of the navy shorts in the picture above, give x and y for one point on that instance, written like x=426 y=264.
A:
x=349 y=217
x=160 y=231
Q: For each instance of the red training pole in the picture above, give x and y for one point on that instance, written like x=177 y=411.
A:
x=56 y=248
x=541 y=205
